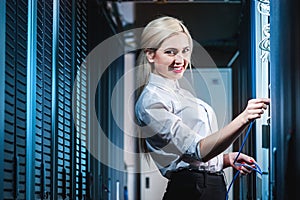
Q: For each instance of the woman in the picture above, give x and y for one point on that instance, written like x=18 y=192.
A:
x=179 y=130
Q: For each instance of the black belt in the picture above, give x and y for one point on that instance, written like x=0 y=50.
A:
x=216 y=173
x=206 y=174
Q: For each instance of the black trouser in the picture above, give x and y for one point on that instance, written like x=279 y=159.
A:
x=195 y=185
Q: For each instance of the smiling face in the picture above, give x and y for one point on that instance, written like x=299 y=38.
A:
x=171 y=59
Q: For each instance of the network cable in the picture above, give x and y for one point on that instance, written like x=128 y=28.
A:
x=256 y=168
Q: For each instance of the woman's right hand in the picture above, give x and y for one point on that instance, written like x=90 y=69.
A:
x=219 y=141
x=255 y=108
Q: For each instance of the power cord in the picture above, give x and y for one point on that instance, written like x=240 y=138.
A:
x=256 y=168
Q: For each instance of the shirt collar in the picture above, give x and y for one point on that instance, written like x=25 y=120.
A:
x=163 y=82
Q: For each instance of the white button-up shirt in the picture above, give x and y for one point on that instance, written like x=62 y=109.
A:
x=173 y=121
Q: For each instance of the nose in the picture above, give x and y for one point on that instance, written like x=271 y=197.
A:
x=179 y=58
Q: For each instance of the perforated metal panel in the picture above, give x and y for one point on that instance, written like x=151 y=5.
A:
x=15 y=108
x=43 y=127
x=72 y=50
x=43 y=151
x=68 y=179
x=80 y=47
x=15 y=100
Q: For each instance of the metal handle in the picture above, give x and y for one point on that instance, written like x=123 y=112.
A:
x=64 y=183
x=274 y=174
x=43 y=193
x=89 y=183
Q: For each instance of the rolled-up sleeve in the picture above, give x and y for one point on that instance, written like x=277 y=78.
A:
x=164 y=131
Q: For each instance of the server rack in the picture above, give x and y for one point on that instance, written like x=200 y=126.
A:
x=43 y=153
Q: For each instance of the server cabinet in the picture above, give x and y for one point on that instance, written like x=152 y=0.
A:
x=42 y=97
x=71 y=157
x=13 y=122
x=44 y=124
x=42 y=155
x=260 y=36
x=285 y=93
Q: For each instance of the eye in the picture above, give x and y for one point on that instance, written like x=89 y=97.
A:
x=186 y=50
x=171 y=52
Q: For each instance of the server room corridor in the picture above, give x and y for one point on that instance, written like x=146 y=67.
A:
x=68 y=83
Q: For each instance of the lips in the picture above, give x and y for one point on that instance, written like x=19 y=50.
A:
x=177 y=69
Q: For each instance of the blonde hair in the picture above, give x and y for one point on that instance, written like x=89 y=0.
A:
x=153 y=35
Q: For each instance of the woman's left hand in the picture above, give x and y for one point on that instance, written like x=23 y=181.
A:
x=244 y=163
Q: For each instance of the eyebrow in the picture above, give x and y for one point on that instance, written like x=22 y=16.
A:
x=176 y=48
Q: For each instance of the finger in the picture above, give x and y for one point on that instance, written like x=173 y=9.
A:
x=256 y=111
x=264 y=106
x=245 y=170
x=259 y=100
x=248 y=159
x=245 y=158
x=257 y=106
x=263 y=100
x=254 y=116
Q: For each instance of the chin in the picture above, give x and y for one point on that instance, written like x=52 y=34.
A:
x=178 y=76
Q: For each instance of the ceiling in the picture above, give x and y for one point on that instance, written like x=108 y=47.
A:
x=206 y=21
x=215 y=25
